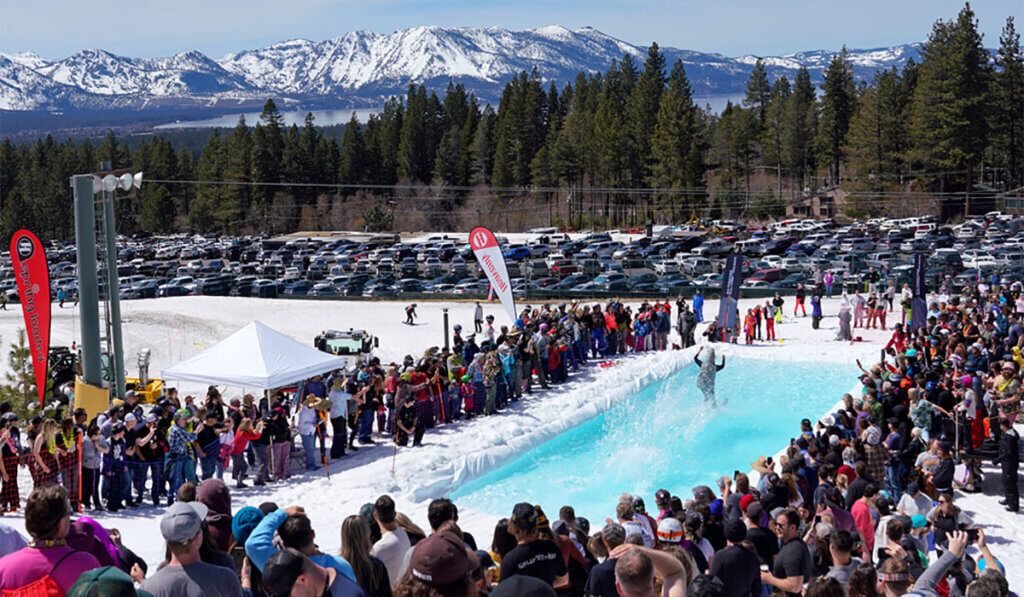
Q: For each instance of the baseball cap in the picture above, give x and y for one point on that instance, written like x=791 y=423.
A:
x=670 y=530
x=129 y=418
x=524 y=515
x=523 y=586
x=108 y=581
x=717 y=508
x=703 y=492
x=182 y=521
x=440 y=559
x=151 y=418
x=281 y=571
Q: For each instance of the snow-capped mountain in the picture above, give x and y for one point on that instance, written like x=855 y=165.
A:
x=362 y=68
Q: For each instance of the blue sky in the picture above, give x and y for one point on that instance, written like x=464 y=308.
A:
x=149 y=28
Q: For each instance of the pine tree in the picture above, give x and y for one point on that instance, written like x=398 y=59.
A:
x=267 y=151
x=800 y=127
x=413 y=161
x=1007 y=115
x=351 y=154
x=237 y=168
x=758 y=93
x=481 y=152
x=838 y=103
x=877 y=136
x=642 y=110
x=773 y=130
x=202 y=215
x=674 y=135
x=949 y=124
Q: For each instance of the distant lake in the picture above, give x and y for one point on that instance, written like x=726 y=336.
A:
x=718 y=101
x=297 y=117
x=332 y=117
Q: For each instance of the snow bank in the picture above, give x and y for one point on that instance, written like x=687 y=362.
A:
x=507 y=436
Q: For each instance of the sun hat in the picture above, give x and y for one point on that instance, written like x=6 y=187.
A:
x=761 y=465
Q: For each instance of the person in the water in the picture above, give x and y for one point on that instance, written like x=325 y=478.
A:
x=708 y=370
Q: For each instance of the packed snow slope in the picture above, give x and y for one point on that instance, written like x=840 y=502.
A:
x=177 y=328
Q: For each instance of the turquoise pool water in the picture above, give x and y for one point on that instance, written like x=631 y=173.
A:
x=665 y=437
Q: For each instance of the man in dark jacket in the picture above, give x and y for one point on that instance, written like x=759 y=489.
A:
x=1009 y=459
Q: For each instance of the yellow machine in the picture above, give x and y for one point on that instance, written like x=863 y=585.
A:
x=148 y=393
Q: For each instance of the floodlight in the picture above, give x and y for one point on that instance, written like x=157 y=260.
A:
x=97 y=184
x=125 y=181
x=137 y=180
x=109 y=182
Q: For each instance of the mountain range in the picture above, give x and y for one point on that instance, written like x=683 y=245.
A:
x=363 y=68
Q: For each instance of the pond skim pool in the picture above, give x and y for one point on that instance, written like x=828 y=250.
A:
x=665 y=436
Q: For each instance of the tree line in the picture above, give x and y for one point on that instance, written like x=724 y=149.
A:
x=626 y=146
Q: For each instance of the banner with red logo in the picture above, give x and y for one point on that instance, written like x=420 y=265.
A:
x=488 y=254
x=33 y=276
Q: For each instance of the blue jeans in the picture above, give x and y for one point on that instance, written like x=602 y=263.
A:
x=209 y=462
x=365 y=425
x=176 y=474
x=155 y=470
x=309 y=445
x=597 y=342
x=893 y=473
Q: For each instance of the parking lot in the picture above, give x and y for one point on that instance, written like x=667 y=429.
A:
x=671 y=261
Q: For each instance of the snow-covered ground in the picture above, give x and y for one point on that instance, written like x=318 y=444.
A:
x=177 y=328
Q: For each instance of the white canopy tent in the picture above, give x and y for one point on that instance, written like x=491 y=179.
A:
x=254 y=357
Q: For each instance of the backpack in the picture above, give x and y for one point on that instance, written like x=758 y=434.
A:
x=45 y=586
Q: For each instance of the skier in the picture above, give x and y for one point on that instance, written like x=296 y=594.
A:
x=698 y=306
x=61 y=296
x=410 y=314
x=708 y=371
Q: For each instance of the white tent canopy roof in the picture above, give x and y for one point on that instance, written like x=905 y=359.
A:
x=254 y=357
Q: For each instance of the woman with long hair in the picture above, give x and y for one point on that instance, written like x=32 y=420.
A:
x=411 y=529
x=863 y=582
x=371 y=573
x=44 y=451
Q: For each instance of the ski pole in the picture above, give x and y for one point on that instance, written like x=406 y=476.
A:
x=440 y=398
x=394 y=456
